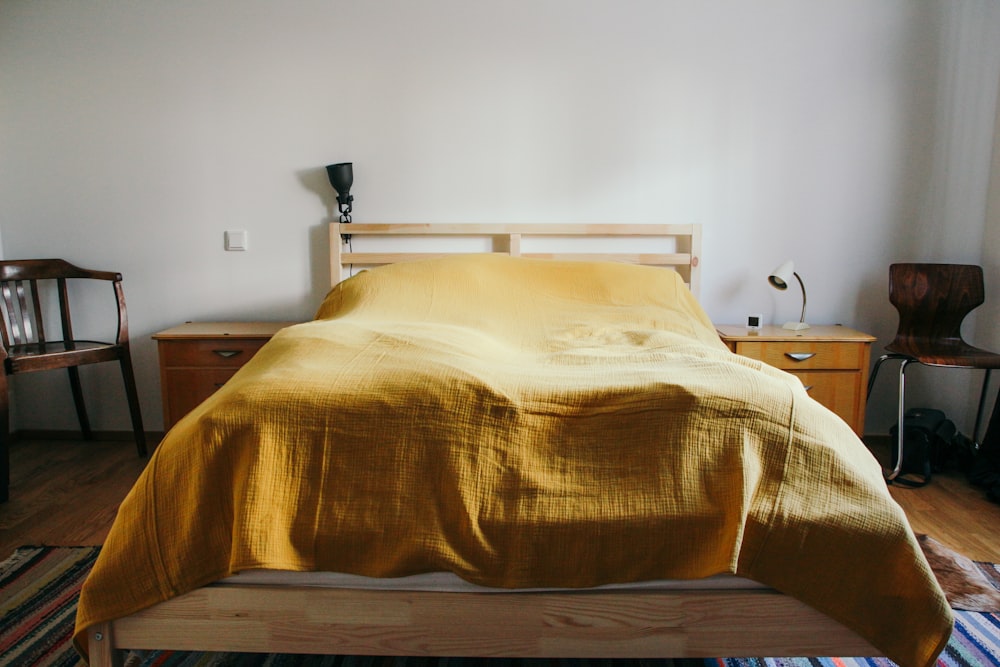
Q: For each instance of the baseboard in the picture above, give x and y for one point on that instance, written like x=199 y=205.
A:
x=152 y=437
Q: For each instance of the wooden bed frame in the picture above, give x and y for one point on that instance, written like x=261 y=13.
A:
x=690 y=623
x=569 y=624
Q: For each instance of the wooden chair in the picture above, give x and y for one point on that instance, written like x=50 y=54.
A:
x=932 y=301
x=23 y=286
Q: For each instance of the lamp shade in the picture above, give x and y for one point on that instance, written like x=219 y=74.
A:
x=341 y=177
x=779 y=279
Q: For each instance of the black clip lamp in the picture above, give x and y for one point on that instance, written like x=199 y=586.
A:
x=341 y=177
x=779 y=279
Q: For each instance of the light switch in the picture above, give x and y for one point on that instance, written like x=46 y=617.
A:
x=236 y=239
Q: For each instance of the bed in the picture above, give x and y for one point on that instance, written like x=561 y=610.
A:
x=564 y=436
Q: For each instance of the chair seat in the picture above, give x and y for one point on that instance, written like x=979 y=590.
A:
x=59 y=354
x=954 y=355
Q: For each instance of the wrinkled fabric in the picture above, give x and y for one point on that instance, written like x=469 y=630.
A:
x=521 y=423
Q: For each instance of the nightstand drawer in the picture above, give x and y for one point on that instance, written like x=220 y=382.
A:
x=185 y=388
x=225 y=353
x=196 y=358
x=831 y=361
x=837 y=390
x=804 y=354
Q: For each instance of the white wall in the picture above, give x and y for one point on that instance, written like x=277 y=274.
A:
x=845 y=134
x=987 y=333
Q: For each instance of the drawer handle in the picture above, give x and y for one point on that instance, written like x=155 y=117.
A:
x=800 y=356
x=227 y=353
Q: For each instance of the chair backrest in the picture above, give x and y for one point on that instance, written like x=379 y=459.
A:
x=933 y=299
x=21 y=308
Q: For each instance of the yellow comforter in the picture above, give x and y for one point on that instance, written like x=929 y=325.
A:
x=521 y=423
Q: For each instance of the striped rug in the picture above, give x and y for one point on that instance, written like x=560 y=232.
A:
x=39 y=587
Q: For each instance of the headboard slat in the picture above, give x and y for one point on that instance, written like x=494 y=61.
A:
x=684 y=243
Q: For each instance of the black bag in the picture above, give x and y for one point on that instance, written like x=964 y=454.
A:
x=985 y=471
x=927 y=436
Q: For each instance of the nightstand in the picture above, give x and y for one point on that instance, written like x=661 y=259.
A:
x=831 y=361
x=196 y=358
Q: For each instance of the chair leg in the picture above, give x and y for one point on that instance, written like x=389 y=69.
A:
x=81 y=408
x=133 y=402
x=900 y=430
x=874 y=374
x=904 y=362
x=982 y=408
x=4 y=439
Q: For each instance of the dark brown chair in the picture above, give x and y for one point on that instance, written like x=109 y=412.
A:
x=25 y=286
x=932 y=301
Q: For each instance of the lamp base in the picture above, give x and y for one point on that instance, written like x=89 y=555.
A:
x=795 y=326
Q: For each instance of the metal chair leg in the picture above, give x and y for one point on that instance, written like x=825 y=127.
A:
x=900 y=410
x=871 y=378
x=900 y=430
x=982 y=408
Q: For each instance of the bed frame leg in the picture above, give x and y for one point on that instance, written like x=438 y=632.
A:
x=101 y=647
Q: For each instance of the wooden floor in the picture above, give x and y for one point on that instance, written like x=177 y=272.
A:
x=66 y=492
x=955 y=514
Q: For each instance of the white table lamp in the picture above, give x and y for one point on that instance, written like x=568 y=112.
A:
x=779 y=279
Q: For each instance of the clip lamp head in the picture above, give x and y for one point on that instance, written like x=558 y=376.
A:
x=341 y=177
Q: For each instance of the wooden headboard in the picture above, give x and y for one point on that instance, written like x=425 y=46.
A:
x=672 y=246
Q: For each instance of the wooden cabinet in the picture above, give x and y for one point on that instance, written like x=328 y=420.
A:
x=831 y=361
x=196 y=358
